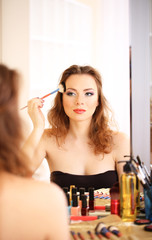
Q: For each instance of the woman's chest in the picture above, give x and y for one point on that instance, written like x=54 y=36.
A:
x=78 y=160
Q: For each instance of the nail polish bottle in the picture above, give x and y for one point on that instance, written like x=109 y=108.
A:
x=71 y=186
x=84 y=209
x=81 y=191
x=75 y=209
x=91 y=198
x=65 y=189
x=74 y=191
x=115 y=199
x=69 y=206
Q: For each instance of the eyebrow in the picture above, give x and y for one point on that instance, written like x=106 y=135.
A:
x=87 y=89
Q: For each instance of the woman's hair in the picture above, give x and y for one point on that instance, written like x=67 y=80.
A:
x=11 y=158
x=100 y=133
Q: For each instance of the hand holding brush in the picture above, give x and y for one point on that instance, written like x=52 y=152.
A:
x=61 y=88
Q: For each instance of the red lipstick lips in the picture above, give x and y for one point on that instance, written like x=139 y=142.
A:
x=79 y=111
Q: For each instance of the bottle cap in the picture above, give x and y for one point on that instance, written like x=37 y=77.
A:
x=68 y=198
x=91 y=193
x=74 y=200
x=82 y=191
x=127 y=167
x=84 y=201
x=65 y=189
x=74 y=190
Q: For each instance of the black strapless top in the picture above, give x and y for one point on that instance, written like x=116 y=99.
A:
x=101 y=180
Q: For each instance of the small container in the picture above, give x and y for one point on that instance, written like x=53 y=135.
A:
x=115 y=206
x=84 y=209
x=71 y=186
x=65 y=189
x=81 y=192
x=69 y=206
x=75 y=209
x=115 y=199
x=91 y=198
x=73 y=191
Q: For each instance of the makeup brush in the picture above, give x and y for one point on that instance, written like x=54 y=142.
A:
x=61 y=88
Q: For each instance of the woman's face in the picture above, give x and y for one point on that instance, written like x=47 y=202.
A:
x=81 y=97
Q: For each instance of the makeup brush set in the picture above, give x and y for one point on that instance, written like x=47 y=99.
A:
x=145 y=177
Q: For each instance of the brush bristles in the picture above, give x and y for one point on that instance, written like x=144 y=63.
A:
x=62 y=87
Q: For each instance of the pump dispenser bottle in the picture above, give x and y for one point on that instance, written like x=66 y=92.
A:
x=128 y=194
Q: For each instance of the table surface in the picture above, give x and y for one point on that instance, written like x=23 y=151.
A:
x=129 y=230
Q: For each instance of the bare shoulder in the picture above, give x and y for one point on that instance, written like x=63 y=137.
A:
x=38 y=193
x=120 y=138
x=51 y=190
x=47 y=135
x=37 y=205
x=121 y=145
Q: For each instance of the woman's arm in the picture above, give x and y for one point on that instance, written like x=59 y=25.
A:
x=34 y=146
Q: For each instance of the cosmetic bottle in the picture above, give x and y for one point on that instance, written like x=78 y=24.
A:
x=128 y=194
x=84 y=209
x=69 y=206
x=75 y=209
x=91 y=198
x=71 y=186
x=81 y=192
x=115 y=199
x=65 y=189
x=74 y=191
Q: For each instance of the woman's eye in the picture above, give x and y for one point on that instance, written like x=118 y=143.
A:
x=89 y=93
x=70 y=93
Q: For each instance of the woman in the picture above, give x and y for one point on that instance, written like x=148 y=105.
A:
x=80 y=146
x=28 y=209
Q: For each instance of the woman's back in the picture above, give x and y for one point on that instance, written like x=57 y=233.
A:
x=31 y=210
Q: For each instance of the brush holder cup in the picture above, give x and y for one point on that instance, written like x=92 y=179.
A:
x=148 y=203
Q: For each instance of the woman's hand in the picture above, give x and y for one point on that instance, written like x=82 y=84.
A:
x=35 y=113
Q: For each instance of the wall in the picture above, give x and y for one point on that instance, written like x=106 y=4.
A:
x=139 y=41
x=15 y=41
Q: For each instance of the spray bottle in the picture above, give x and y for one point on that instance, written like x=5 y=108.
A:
x=128 y=194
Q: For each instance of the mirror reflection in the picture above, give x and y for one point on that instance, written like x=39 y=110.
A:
x=55 y=34
x=63 y=33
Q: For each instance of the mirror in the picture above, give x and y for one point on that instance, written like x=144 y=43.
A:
x=48 y=36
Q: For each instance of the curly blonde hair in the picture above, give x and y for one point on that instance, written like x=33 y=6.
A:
x=100 y=133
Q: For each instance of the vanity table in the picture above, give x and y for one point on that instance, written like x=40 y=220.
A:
x=129 y=230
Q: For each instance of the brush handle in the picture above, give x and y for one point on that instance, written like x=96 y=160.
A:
x=50 y=93
x=44 y=96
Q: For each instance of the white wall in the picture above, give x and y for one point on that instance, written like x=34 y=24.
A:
x=112 y=56
x=140 y=43
x=15 y=42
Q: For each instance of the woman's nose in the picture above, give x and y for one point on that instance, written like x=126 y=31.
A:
x=79 y=100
